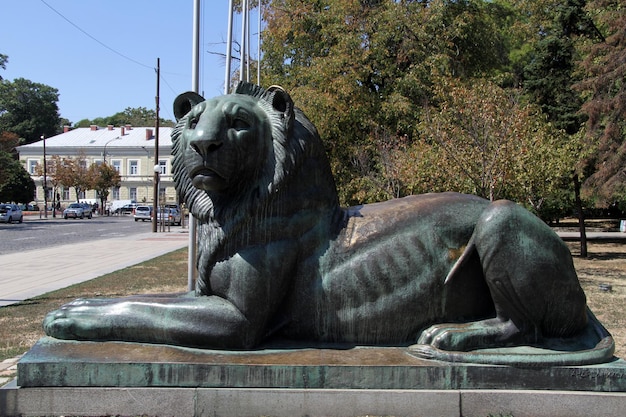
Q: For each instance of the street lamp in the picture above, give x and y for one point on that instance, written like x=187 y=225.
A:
x=157 y=170
x=104 y=151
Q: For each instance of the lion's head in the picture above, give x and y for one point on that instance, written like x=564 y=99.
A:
x=235 y=152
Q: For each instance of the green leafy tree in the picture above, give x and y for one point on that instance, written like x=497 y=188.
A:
x=139 y=116
x=362 y=70
x=550 y=75
x=28 y=109
x=484 y=140
x=16 y=184
x=3 y=62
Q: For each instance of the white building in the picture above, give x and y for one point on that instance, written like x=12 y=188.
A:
x=130 y=150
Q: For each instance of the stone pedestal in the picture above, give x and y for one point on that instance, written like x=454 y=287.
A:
x=113 y=378
x=56 y=363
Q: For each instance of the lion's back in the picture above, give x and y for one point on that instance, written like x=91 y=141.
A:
x=377 y=279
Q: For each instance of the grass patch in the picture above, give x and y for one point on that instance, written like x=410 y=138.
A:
x=21 y=323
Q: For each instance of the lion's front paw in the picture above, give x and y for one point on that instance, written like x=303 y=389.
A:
x=81 y=319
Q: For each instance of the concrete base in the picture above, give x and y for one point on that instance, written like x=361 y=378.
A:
x=237 y=402
x=58 y=378
x=56 y=363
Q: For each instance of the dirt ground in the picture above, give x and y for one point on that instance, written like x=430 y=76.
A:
x=603 y=277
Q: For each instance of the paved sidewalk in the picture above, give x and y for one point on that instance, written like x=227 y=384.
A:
x=33 y=273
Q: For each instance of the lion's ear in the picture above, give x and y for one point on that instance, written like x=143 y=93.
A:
x=281 y=102
x=185 y=102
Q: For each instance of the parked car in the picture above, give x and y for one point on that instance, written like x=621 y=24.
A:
x=78 y=211
x=10 y=213
x=169 y=216
x=143 y=213
x=126 y=209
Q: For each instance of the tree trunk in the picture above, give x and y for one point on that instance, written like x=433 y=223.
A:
x=581 y=217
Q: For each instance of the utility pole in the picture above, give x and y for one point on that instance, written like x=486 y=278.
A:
x=155 y=203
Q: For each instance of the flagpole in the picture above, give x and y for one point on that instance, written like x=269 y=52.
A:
x=195 y=86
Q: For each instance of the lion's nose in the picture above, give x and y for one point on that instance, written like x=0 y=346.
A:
x=205 y=146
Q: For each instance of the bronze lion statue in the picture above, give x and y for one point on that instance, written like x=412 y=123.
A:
x=449 y=276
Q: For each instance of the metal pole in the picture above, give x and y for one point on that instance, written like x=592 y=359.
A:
x=244 y=45
x=258 y=63
x=156 y=153
x=195 y=86
x=195 y=53
x=247 y=40
x=229 y=44
x=45 y=183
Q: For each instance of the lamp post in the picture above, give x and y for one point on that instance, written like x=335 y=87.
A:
x=104 y=151
x=104 y=161
x=155 y=203
x=45 y=184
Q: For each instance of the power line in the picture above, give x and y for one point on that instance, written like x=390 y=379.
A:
x=96 y=40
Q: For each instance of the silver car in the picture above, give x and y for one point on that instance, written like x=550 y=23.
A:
x=169 y=216
x=10 y=213
x=77 y=211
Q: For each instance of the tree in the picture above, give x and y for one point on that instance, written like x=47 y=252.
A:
x=3 y=62
x=15 y=183
x=103 y=177
x=28 y=109
x=362 y=69
x=604 y=90
x=139 y=116
x=8 y=142
x=550 y=76
x=484 y=140
x=73 y=172
x=53 y=182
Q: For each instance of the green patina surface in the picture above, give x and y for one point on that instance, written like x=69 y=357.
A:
x=58 y=363
x=277 y=256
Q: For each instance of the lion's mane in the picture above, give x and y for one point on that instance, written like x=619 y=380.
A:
x=294 y=138
x=295 y=175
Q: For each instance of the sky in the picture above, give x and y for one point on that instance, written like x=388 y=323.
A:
x=101 y=55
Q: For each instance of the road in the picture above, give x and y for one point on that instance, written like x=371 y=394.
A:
x=35 y=233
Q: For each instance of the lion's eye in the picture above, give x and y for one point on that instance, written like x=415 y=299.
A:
x=193 y=122
x=240 y=124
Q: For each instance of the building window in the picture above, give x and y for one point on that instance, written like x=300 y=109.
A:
x=163 y=166
x=32 y=166
x=66 y=193
x=133 y=167
x=117 y=165
x=115 y=194
x=81 y=195
x=133 y=193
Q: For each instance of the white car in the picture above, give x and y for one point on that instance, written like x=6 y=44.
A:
x=10 y=213
x=143 y=213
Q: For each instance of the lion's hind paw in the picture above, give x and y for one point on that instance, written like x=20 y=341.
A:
x=468 y=336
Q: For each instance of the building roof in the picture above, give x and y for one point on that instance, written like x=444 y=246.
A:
x=95 y=138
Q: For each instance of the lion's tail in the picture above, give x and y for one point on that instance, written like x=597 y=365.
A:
x=470 y=249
